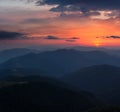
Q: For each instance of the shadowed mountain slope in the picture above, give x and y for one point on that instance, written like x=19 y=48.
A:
x=102 y=80
x=43 y=95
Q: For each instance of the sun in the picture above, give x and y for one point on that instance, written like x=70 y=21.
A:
x=97 y=44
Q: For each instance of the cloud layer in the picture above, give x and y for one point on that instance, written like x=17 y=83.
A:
x=113 y=37
x=85 y=7
x=71 y=39
x=110 y=37
x=7 y=35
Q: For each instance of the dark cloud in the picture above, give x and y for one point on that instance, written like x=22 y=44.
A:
x=110 y=37
x=83 y=4
x=71 y=39
x=6 y=35
x=86 y=7
x=113 y=37
x=74 y=38
x=49 y=37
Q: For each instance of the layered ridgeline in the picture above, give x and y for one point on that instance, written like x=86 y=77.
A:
x=59 y=62
x=23 y=87
x=101 y=80
x=115 y=52
x=40 y=94
x=23 y=91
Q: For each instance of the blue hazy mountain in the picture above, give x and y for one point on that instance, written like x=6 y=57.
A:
x=110 y=51
x=61 y=61
x=11 y=53
x=88 y=48
x=102 y=80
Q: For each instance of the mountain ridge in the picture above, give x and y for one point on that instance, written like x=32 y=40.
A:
x=61 y=61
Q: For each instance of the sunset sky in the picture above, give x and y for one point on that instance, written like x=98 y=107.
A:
x=26 y=23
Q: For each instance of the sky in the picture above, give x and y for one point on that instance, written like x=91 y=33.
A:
x=52 y=23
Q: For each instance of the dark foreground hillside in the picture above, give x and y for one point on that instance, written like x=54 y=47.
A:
x=43 y=96
x=108 y=108
x=101 y=80
x=24 y=90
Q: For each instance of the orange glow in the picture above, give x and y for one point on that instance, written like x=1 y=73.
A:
x=85 y=29
x=86 y=32
x=97 y=44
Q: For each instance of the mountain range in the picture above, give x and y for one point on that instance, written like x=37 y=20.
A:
x=60 y=62
x=110 y=51
x=59 y=80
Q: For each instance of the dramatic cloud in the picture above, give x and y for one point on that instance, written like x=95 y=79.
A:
x=6 y=35
x=85 y=7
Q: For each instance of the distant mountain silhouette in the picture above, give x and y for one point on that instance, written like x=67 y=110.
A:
x=11 y=53
x=88 y=48
x=102 y=80
x=42 y=95
x=110 y=51
x=61 y=61
x=113 y=52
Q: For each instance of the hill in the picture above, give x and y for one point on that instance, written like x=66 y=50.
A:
x=102 y=80
x=43 y=95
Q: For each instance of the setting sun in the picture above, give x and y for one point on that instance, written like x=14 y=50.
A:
x=97 y=44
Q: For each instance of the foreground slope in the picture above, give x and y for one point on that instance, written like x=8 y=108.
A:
x=27 y=95
x=102 y=80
